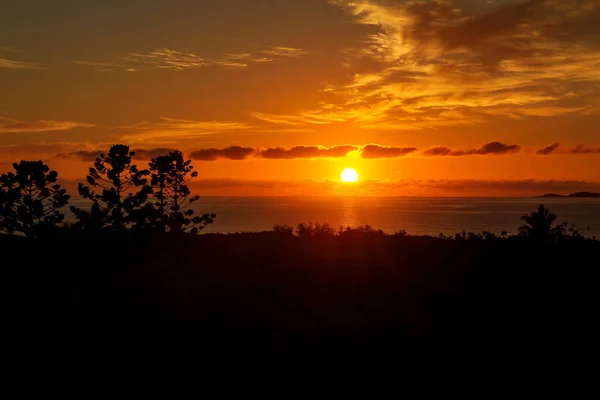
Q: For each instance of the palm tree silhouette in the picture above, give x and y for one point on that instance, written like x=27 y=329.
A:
x=539 y=224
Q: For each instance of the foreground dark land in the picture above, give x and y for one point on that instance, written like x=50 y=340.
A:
x=276 y=295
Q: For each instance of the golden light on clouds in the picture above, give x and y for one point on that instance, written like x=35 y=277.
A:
x=448 y=90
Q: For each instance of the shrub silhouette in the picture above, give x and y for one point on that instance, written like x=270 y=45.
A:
x=359 y=231
x=283 y=230
x=89 y=221
x=30 y=199
x=539 y=225
x=169 y=176
x=315 y=230
x=117 y=177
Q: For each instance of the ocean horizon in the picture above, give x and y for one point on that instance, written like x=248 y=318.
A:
x=417 y=215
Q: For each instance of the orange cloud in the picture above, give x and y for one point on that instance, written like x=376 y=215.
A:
x=280 y=153
x=279 y=51
x=12 y=64
x=548 y=149
x=581 y=149
x=230 y=153
x=13 y=126
x=179 y=60
x=170 y=130
x=486 y=149
x=429 y=64
x=378 y=151
x=91 y=155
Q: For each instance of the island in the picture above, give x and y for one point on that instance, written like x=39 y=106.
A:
x=577 y=194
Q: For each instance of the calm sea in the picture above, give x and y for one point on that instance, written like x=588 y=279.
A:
x=417 y=215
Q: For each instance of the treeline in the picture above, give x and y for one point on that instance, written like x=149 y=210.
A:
x=122 y=196
x=157 y=199
x=538 y=226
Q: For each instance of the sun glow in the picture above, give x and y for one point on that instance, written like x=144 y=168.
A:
x=349 y=175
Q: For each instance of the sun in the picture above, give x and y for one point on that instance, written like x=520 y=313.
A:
x=349 y=175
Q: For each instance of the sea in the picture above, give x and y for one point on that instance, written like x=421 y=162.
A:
x=416 y=215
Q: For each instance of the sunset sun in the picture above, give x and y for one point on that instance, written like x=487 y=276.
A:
x=349 y=175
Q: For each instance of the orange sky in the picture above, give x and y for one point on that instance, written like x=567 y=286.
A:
x=276 y=97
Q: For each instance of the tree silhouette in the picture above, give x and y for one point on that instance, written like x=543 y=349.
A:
x=169 y=176
x=117 y=177
x=30 y=199
x=539 y=224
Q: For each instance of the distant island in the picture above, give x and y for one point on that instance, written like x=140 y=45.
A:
x=578 y=194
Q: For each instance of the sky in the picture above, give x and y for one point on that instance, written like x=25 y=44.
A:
x=277 y=97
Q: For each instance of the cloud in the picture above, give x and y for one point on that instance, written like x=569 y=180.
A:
x=278 y=51
x=100 y=64
x=431 y=64
x=548 y=149
x=91 y=155
x=169 y=59
x=146 y=154
x=14 y=126
x=230 y=153
x=438 y=151
x=370 y=151
x=41 y=150
x=378 y=151
x=170 y=130
x=106 y=67
x=491 y=148
x=12 y=64
x=581 y=149
x=81 y=155
x=279 y=153
x=179 y=60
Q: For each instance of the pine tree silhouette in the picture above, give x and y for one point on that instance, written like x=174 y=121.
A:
x=114 y=174
x=30 y=199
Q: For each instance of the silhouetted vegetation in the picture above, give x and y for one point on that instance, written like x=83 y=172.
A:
x=30 y=199
x=170 y=212
x=128 y=200
x=116 y=177
x=577 y=194
x=305 y=292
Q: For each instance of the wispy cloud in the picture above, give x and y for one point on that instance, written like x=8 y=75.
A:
x=429 y=64
x=45 y=150
x=279 y=51
x=81 y=155
x=12 y=64
x=14 y=126
x=169 y=130
x=179 y=60
x=100 y=64
x=169 y=59
x=106 y=67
